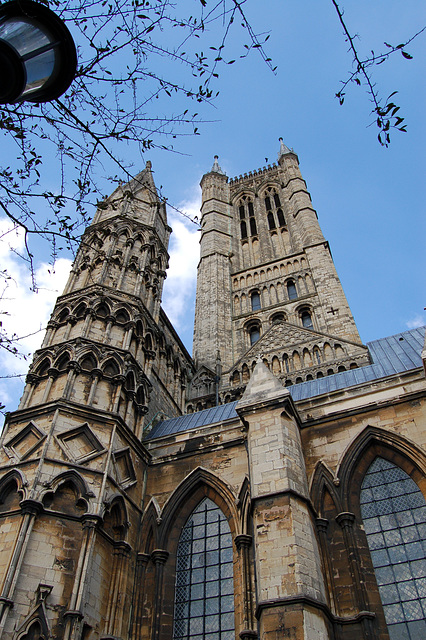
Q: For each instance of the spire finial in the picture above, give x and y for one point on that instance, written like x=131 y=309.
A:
x=283 y=149
x=216 y=168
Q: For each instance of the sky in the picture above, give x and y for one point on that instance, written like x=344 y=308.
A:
x=369 y=199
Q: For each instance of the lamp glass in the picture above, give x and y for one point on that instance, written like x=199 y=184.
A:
x=39 y=70
x=25 y=35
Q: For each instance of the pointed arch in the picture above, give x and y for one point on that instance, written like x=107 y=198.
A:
x=103 y=310
x=198 y=484
x=88 y=361
x=244 y=505
x=72 y=479
x=13 y=482
x=373 y=442
x=115 y=519
x=62 y=316
x=35 y=627
x=44 y=366
x=323 y=480
x=110 y=367
x=149 y=526
x=122 y=315
x=130 y=381
x=80 y=310
x=62 y=361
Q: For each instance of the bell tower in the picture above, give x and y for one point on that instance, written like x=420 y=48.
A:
x=274 y=291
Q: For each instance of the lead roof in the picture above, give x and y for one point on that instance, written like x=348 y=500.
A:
x=389 y=356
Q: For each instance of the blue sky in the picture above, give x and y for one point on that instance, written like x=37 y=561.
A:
x=369 y=199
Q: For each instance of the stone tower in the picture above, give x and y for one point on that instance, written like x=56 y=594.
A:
x=296 y=511
x=110 y=364
x=267 y=285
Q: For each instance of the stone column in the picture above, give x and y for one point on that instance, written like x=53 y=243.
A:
x=31 y=381
x=51 y=328
x=73 y=371
x=291 y=599
x=75 y=614
x=117 y=598
x=53 y=374
x=361 y=601
x=96 y=375
x=243 y=543
x=322 y=526
x=138 y=594
x=30 y=509
x=159 y=558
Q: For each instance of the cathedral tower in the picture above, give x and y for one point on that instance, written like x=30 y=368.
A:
x=73 y=487
x=267 y=285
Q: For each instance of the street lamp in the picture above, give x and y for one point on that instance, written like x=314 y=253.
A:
x=38 y=60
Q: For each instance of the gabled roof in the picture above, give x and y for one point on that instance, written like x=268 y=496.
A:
x=392 y=355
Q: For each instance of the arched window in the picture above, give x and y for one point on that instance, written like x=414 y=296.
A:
x=277 y=200
x=277 y=317
x=306 y=318
x=393 y=510
x=254 y=333
x=291 y=290
x=271 y=221
x=253 y=228
x=34 y=633
x=204 y=597
x=242 y=212
x=286 y=363
x=281 y=219
x=255 y=301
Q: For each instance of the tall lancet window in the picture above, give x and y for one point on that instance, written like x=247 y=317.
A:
x=394 y=513
x=204 y=598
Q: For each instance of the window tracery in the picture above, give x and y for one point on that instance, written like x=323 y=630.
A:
x=246 y=213
x=393 y=510
x=273 y=208
x=204 y=596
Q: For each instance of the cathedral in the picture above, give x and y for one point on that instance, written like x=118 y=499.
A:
x=272 y=486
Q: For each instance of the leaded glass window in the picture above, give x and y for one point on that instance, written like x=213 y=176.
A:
x=394 y=514
x=204 y=598
x=255 y=301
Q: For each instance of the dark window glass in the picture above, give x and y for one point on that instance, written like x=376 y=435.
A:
x=242 y=212
x=271 y=221
x=281 y=221
x=253 y=228
x=250 y=208
x=393 y=510
x=291 y=290
x=243 y=230
x=204 y=600
x=255 y=301
x=254 y=335
x=277 y=200
x=307 y=320
x=268 y=203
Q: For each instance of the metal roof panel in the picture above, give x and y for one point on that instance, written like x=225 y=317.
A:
x=395 y=354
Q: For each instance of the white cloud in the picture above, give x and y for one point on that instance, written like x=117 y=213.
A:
x=418 y=321
x=24 y=312
x=184 y=250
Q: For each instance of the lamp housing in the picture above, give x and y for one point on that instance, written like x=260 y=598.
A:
x=38 y=60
